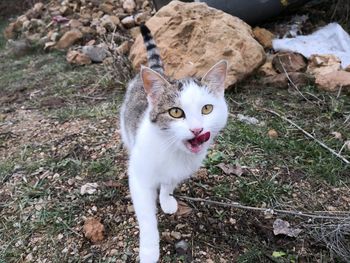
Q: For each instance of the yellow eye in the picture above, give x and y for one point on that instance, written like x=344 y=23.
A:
x=176 y=113
x=207 y=109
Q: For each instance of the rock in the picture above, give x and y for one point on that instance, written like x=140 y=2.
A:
x=69 y=38
x=88 y=188
x=264 y=37
x=74 y=23
x=333 y=81
x=193 y=37
x=14 y=28
x=78 y=58
x=18 y=48
x=49 y=45
x=129 y=6
x=93 y=229
x=128 y=21
x=95 y=53
x=65 y=10
x=123 y=48
x=54 y=36
x=281 y=80
x=110 y=22
x=134 y=32
x=141 y=18
x=176 y=235
x=273 y=134
x=38 y=7
x=267 y=68
x=289 y=62
x=323 y=64
x=181 y=248
x=97 y=15
x=87 y=30
x=10 y=32
x=107 y=8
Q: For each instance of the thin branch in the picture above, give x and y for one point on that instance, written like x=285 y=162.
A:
x=309 y=135
x=265 y=210
x=290 y=80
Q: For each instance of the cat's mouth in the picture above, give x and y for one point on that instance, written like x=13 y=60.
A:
x=195 y=144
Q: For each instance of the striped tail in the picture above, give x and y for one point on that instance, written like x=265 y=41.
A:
x=153 y=56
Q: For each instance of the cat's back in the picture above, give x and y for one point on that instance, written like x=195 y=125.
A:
x=132 y=110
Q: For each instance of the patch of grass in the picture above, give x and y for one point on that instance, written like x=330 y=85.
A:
x=222 y=189
x=98 y=111
x=261 y=191
x=252 y=255
x=101 y=166
x=252 y=147
x=69 y=166
x=3 y=25
x=6 y=167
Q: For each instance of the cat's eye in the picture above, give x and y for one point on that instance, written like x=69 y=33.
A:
x=176 y=113
x=207 y=109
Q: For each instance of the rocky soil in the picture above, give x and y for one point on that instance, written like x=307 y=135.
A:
x=63 y=190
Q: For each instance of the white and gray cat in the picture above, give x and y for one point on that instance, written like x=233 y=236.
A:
x=167 y=127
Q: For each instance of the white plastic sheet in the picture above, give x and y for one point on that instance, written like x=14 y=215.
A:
x=331 y=39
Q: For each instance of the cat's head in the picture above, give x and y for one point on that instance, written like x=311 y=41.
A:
x=189 y=112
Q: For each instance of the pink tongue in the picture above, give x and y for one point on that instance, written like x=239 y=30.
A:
x=200 y=139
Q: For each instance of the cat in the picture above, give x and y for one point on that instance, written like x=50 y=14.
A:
x=167 y=127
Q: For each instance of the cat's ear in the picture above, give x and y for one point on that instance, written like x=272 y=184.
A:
x=216 y=76
x=153 y=82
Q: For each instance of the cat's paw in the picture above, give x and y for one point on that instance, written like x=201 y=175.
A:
x=149 y=255
x=168 y=205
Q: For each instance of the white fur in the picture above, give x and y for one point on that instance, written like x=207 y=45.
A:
x=160 y=160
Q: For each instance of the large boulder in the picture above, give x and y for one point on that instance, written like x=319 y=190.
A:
x=192 y=37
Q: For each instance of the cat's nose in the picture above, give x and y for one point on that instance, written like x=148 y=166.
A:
x=196 y=131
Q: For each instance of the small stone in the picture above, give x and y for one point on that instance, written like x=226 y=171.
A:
x=113 y=252
x=78 y=58
x=18 y=47
x=88 y=188
x=123 y=48
x=107 y=8
x=65 y=10
x=129 y=6
x=289 y=62
x=141 y=18
x=263 y=36
x=29 y=258
x=323 y=64
x=272 y=133
x=128 y=21
x=74 y=23
x=38 y=7
x=49 y=45
x=333 y=81
x=176 y=235
x=93 y=229
x=110 y=22
x=281 y=80
x=95 y=53
x=54 y=36
x=134 y=32
x=69 y=38
x=130 y=209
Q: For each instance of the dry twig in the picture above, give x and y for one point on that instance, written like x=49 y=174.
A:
x=311 y=215
x=309 y=135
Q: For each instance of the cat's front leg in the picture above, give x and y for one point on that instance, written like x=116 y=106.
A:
x=167 y=202
x=144 y=201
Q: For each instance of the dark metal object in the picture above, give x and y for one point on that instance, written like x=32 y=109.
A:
x=251 y=11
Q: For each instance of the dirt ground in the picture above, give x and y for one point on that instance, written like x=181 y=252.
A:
x=59 y=131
